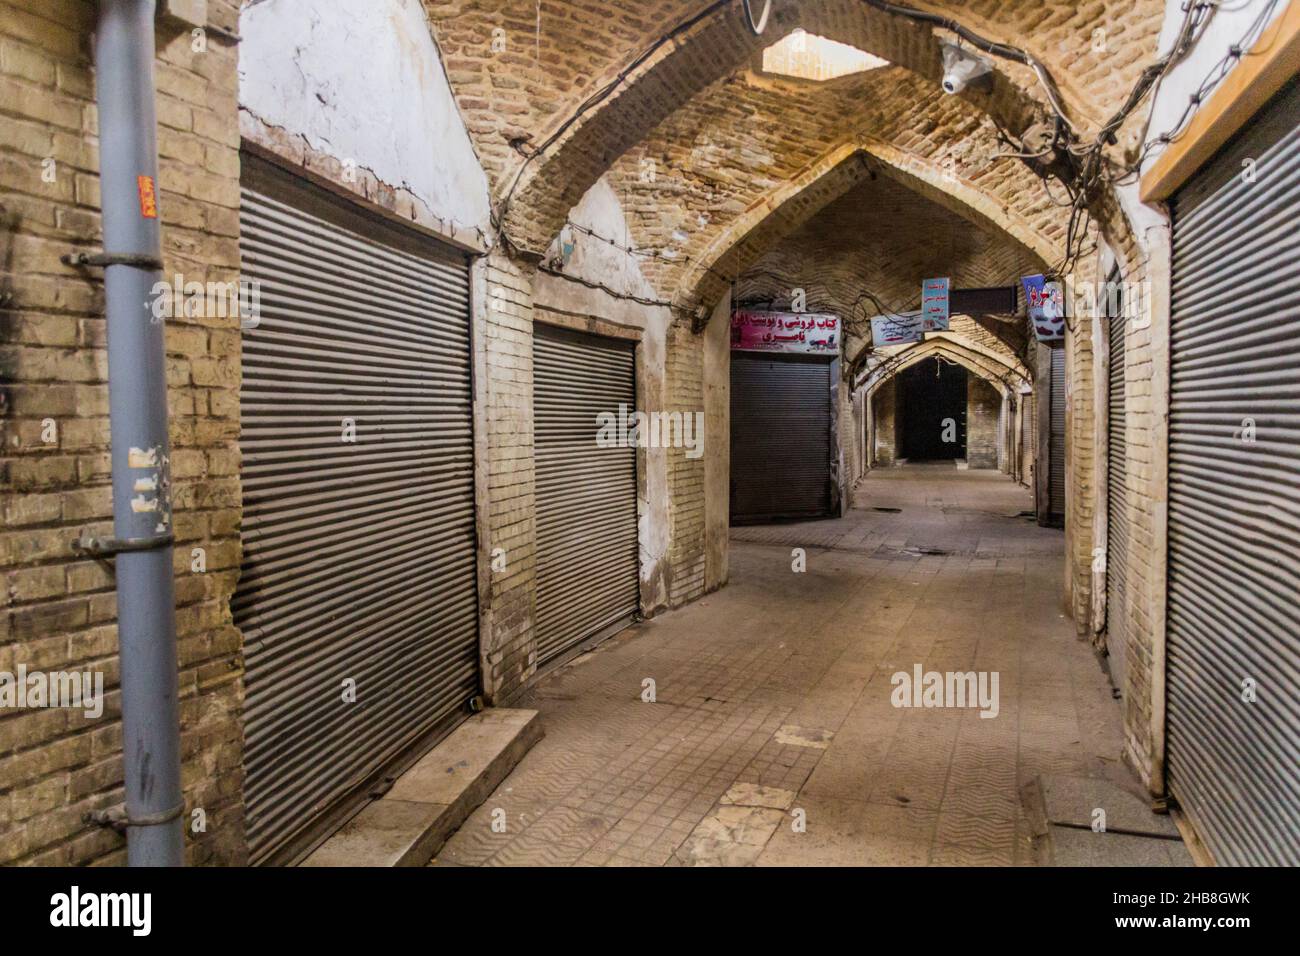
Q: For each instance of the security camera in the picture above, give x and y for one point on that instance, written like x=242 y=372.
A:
x=961 y=68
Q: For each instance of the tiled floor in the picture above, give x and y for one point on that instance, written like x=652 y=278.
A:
x=772 y=739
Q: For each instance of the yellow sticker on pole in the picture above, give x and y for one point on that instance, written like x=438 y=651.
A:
x=148 y=198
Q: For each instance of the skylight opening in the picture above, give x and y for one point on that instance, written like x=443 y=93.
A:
x=807 y=56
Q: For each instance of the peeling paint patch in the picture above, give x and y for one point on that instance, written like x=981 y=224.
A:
x=139 y=458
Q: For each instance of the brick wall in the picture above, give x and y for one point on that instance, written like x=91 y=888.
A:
x=684 y=387
x=1029 y=442
x=56 y=765
x=886 y=433
x=1146 y=556
x=983 y=408
x=850 y=451
x=505 y=336
x=1080 y=456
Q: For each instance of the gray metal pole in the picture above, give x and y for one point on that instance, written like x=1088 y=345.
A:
x=146 y=616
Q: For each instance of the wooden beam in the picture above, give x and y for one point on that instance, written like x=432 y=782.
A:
x=1267 y=67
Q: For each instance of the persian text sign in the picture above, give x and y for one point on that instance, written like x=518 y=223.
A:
x=934 y=304
x=1046 y=304
x=815 y=333
x=902 y=328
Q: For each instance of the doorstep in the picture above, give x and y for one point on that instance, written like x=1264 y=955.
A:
x=1069 y=830
x=410 y=823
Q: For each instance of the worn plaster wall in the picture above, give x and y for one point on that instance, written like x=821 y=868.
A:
x=356 y=90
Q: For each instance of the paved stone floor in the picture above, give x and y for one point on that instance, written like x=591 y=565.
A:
x=772 y=739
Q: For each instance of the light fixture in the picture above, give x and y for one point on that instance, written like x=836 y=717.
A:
x=961 y=68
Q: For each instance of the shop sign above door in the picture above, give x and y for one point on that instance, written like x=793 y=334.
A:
x=807 y=333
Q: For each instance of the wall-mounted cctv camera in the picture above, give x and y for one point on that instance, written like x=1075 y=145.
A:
x=961 y=69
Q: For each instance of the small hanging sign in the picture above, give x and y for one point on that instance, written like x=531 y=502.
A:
x=934 y=304
x=901 y=328
x=1046 y=304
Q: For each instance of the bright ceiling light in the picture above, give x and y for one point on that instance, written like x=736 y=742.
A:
x=807 y=56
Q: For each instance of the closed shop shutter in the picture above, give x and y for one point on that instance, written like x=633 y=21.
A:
x=1056 y=441
x=780 y=437
x=1117 y=529
x=1234 y=496
x=359 y=556
x=586 y=497
x=1002 y=435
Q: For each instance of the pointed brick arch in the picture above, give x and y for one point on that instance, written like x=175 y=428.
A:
x=792 y=203
x=1007 y=377
x=577 y=150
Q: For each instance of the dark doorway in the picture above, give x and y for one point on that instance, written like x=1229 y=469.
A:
x=780 y=437
x=932 y=411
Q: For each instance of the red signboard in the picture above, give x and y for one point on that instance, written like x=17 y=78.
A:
x=809 y=333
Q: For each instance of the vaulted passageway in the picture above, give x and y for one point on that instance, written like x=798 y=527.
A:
x=518 y=355
x=758 y=725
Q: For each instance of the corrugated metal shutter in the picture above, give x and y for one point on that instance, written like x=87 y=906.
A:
x=1117 y=529
x=1234 y=504
x=588 y=583
x=359 y=557
x=780 y=437
x=1002 y=435
x=1056 y=442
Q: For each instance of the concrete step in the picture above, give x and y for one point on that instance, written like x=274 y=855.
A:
x=1063 y=810
x=410 y=823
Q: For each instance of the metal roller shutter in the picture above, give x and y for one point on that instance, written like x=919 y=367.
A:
x=1117 y=529
x=588 y=582
x=359 y=557
x=1056 y=446
x=780 y=437
x=1002 y=436
x=1234 y=503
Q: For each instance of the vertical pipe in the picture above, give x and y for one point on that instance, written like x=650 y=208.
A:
x=146 y=619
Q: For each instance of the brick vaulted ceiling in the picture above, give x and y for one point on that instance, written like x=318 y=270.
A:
x=719 y=160
x=521 y=72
